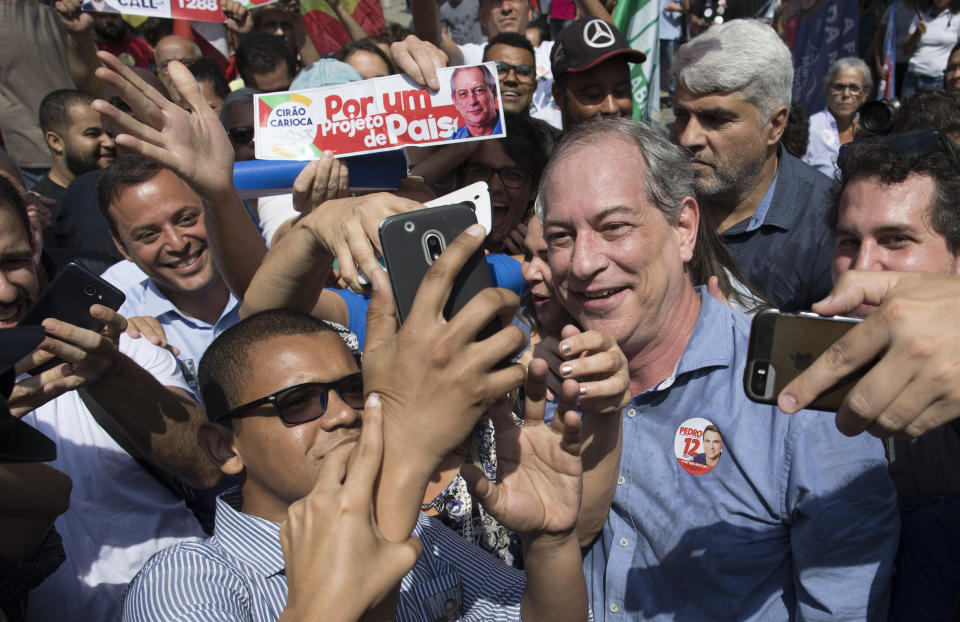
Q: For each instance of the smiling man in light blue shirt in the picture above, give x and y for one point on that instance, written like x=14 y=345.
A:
x=794 y=521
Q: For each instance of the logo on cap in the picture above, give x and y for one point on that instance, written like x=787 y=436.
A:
x=598 y=34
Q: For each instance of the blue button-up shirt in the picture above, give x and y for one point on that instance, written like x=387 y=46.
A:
x=787 y=255
x=795 y=521
x=191 y=335
x=238 y=574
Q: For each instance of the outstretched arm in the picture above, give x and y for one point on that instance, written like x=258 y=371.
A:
x=194 y=145
x=434 y=379
x=82 y=60
x=538 y=493
x=914 y=386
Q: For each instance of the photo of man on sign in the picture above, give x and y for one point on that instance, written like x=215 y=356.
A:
x=474 y=93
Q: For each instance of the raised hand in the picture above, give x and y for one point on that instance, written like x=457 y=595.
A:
x=192 y=144
x=338 y=564
x=434 y=379
x=539 y=472
x=911 y=343
x=73 y=19
x=88 y=355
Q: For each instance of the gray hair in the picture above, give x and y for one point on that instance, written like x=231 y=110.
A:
x=488 y=78
x=742 y=55
x=854 y=63
x=667 y=173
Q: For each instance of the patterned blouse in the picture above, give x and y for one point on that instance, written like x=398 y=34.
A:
x=458 y=510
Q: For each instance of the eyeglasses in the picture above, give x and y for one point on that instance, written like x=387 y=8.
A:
x=305 y=402
x=840 y=87
x=241 y=135
x=524 y=73
x=918 y=143
x=511 y=176
x=186 y=61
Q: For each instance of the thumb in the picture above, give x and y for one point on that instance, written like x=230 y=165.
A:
x=382 y=312
x=409 y=552
x=486 y=492
x=856 y=287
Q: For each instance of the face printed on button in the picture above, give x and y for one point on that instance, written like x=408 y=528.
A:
x=698 y=445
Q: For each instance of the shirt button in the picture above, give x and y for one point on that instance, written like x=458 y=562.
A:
x=631 y=412
x=621 y=480
x=614 y=607
x=624 y=542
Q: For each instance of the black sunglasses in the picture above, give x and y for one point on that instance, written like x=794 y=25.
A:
x=917 y=143
x=241 y=135
x=305 y=402
x=525 y=72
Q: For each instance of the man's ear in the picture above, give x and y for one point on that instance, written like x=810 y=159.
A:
x=54 y=142
x=558 y=96
x=120 y=247
x=685 y=228
x=217 y=442
x=777 y=124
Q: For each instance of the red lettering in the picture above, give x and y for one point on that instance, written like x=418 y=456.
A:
x=691 y=446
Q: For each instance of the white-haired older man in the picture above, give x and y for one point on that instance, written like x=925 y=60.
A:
x=733 y=93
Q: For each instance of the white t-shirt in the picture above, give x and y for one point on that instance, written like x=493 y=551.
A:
x=119 y=514
x=543 y=106
x=933 y=50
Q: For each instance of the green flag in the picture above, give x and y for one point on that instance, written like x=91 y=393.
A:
x=637 y=20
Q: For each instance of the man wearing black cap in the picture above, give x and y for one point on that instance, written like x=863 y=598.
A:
x=590 y=72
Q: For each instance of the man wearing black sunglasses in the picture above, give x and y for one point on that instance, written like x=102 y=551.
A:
x=282 y=391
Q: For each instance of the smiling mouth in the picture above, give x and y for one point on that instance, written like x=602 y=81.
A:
x=187 y=262
x=11 y=314
x=606 y=293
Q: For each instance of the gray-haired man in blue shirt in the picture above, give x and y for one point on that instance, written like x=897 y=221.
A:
x=794 y=520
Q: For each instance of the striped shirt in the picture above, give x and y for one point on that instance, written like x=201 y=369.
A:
x=238 y=574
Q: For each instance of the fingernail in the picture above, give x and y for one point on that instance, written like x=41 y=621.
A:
x=476 y=230
x=566 y=369
x=564 y=347
x=827 y=299
x=787 y=402
x=583 y=390
x=373 y=400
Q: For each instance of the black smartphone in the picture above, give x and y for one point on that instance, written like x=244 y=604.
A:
x=68 y=298
x=412 y=241
x=784 y=344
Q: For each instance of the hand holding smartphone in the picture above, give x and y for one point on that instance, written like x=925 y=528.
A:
x=68 y=298
x=784 y=344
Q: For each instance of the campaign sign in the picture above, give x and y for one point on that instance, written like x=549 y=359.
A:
x=379 y=115
x=200 y=10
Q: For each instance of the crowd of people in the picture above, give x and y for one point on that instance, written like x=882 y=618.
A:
x=254 y=435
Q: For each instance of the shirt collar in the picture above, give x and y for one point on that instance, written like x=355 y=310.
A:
x=158 y=304
x=253 y=540
x=710 y=345
x=773 y=210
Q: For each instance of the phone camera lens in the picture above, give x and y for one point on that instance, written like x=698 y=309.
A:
x=409 y=226
x=434 y=246
x=90 y=290
x=758 y=382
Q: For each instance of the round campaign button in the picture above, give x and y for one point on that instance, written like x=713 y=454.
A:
x=698 y=445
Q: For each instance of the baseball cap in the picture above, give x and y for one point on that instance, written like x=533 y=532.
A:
x=18 y=441
x=587 y=42
x=325 y=72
